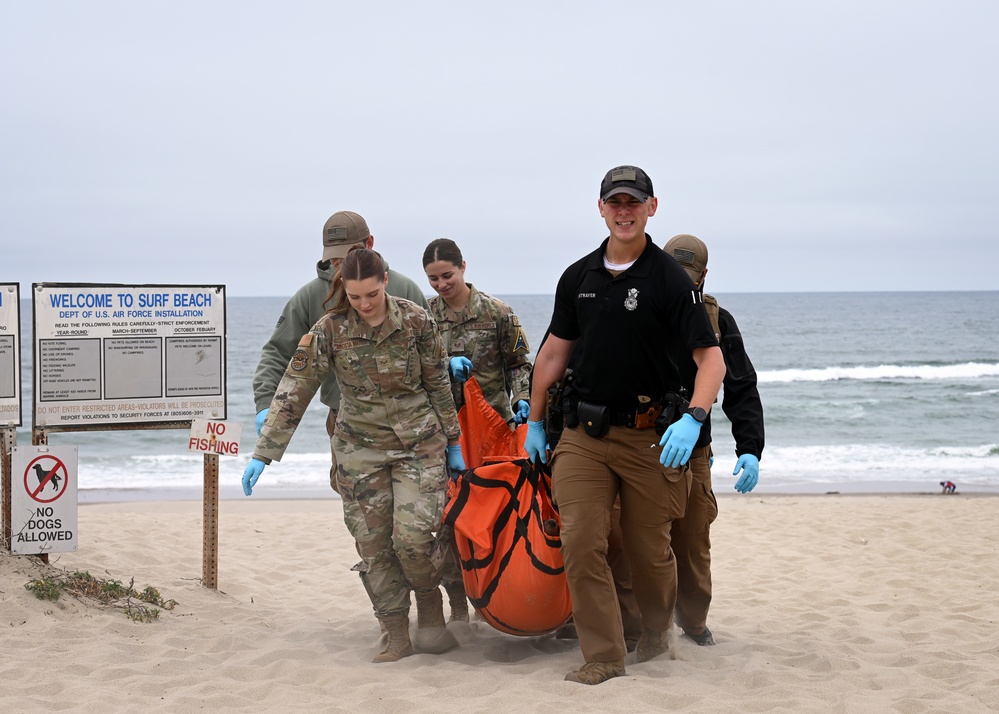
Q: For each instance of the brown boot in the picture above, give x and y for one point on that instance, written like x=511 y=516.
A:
x=458 y=602
x=431 y=633
x=596 y=672
x=398 y=644
x=652 y=644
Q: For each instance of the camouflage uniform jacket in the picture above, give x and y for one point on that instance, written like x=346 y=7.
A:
x=490 y=335
x=301 y=312
x=393 y=381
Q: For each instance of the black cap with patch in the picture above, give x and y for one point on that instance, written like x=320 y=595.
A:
x=626 y=179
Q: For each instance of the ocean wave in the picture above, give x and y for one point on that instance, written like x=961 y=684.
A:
x=967 y=370
x=781 y=465
x=186 y=471
x=859 y=463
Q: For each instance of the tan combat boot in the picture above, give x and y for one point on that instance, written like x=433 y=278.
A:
x=652 y=644
x=398 y=645
x=458 y=602
x=596 y=672
x=431 y=633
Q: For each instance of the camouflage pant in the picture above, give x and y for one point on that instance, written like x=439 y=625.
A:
x=330 y=428
x=393 y=501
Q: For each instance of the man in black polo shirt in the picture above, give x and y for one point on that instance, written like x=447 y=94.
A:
x=630 y=311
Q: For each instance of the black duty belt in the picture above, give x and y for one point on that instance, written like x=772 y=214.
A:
x=623 y=418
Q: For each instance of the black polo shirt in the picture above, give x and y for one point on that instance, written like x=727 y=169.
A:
x=631 y=329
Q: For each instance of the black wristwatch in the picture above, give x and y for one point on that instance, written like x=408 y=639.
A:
x=699 y=414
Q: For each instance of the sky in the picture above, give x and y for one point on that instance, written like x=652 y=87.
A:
x=820 y=146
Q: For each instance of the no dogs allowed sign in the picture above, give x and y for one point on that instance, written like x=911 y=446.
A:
x=43 y=505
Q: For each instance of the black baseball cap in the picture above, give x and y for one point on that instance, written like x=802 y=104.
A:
x=626 y=179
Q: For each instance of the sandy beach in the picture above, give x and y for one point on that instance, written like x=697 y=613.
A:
x=834 y=603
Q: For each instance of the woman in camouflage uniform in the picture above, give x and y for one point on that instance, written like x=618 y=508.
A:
x=484 y=338
x=396 y=423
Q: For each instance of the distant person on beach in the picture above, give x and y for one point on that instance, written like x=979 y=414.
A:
x=742 y=405
x=948 y=487
x=632 y=311
x=485 y=340
x=343 y=230
x=395 y=437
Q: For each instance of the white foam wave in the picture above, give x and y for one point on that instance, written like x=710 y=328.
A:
x=781 y=465
x=967 y=370
x=186 y=471
x=860 y=463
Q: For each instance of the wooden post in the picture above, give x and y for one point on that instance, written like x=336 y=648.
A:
x=9 y=440
x=210 y=545
x=39 y=437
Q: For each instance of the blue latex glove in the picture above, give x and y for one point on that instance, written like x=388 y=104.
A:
x=711 y=461
x=251 y=474
x=455 y=461
x=536 y=443
x=523 y=411
x=261 y=418
x=460 y=368
x=750 y=467
x=678 y=441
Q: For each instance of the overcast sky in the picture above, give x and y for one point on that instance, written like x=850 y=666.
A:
x=814 y=146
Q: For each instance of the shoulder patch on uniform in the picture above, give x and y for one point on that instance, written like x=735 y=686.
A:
x=306 y=340
x=299 y=360
x=520 y=343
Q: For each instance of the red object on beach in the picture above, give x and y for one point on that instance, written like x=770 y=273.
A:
x=500 y=510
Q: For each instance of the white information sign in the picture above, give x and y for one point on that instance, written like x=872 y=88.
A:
x=10 y=355
x=125 y=354
x=43 y=505
x=214 y=437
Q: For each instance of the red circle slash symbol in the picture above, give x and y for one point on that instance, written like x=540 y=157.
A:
x=51 y=475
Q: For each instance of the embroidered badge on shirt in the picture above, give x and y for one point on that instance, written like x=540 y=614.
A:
x=631 y=302
x=299 y=360
x=520 y=343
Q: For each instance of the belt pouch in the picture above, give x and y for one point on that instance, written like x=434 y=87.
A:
x=595 y=418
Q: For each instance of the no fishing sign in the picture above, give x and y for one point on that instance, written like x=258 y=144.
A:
x=43 y=499
x=214 y=437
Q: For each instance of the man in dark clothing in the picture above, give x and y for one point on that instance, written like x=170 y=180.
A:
x=631 y=311
x=742 y=405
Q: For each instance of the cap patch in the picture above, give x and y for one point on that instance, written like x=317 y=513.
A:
x=683 y=256
x=624 y=175
x=337 y=232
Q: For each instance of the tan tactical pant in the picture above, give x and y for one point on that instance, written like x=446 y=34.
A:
x=692 y=547
x=617 y=558
x=588 y=476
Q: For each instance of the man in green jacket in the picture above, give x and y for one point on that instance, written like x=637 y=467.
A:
x=343 y=230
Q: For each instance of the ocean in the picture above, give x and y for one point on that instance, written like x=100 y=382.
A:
x=862 y=392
